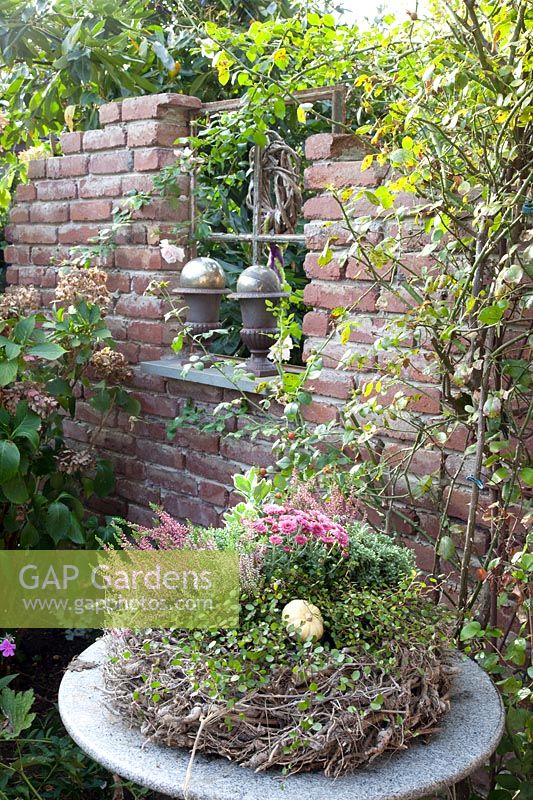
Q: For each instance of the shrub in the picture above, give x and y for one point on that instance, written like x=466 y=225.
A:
x=47 y=359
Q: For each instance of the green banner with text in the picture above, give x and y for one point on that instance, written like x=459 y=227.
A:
x=119 y=589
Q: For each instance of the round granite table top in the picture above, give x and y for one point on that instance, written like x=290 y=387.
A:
x=469 y=734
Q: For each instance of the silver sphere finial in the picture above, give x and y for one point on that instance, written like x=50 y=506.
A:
x=202 y=273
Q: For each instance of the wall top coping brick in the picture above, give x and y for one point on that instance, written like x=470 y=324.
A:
x=323 y=146
x=146 y=107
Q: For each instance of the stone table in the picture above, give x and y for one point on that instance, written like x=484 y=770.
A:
x=469 y=734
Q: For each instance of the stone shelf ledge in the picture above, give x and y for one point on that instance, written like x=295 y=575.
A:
x=212 y=376
x=469 y=733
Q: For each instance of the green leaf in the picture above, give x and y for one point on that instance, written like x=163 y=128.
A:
x=16 y=490
x=28 y=429
x=526 y=475
x=58 y=521
x=8 y=372
x=24 y=329
x=47 y=350
x=102 y=401
x=9 y=460
x=446 y=548
x=491 y=315
x=104 y=479
x=470 y=630
x=15 y=707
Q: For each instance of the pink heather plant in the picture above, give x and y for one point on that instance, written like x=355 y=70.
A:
x=289 y=527
x=169 y=534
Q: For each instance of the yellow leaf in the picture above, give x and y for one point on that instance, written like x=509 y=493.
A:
x=69 y=117
x=301 y=114
x=367 y=162
x=368 y=389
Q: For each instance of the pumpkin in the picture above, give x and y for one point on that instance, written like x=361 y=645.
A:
x=303 y=620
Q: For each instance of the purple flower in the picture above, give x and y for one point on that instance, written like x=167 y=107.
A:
x=300 y=538
x=288 y=524
x=7 y=648
x=275 y=539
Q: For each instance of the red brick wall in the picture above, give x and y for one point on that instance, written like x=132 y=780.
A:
x=70 y=197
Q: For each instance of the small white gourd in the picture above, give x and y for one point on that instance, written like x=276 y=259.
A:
x=303 y=620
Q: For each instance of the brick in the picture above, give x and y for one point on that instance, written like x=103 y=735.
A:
x=332 y=384
x=37 y=168
x=49 y=212
x=111 y=163
x=12 y=275
x=38 y=276
x=153 y=159
x=118 y=282
x=212 y=467
x=341 y=174
x=190 y=509
x=320 y=413
x=56 y=190
x=316 y=323
x=174 y=209
x=74 y=430
x=214 y=493
x=90 y=210
x=318 y=233
x=37 y=234
x=25 y=192
x=156 y=105
x=330 y=145
x=333 y=270
x=77 y=234
x=254 y=453
x=324 y=206
x=197 y=440
x=149 y=332
x=171 y=479
x=196 y=391
x=17 y=254
x=422 y=462
x=138 y=492
x=359 y=271
x=100 y=186
x=138 y=258
x=137 y=183
x=157 y=405
x=70 y=142
x=106 y=139
x=398 y=302
x=117 y=441
x=327 y=295
x=109 y=113
x=67 y=166
x=132 y=468
x=19 y=214
x=152 y=383
x=139 y=307
x=151 y=133
x=162 y=454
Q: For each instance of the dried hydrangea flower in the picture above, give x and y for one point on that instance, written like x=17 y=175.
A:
x=110 y=365
x=71 y=461
x=78 y=283
x=19 y=301
x=38 y=401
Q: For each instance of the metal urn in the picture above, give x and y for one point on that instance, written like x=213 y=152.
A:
x=202 y=286
x=256 y=286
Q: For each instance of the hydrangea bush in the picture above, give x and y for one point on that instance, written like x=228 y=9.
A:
x=48 y=358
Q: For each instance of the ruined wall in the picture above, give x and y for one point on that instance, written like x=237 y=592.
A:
x=70 y=197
